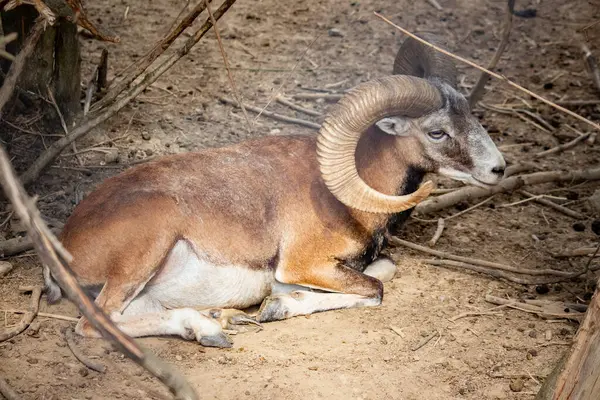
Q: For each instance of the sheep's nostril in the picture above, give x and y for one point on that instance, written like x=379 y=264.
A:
x=498 y=171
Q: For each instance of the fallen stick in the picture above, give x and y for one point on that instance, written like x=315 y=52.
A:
x=495 y=75
x=591 y=65
x=580 y=252
x=273 y=115
x=479 y=88
x=36 y=294
x=53 y=255
x=234 y=88
x=474 y=314
x=435 y=4
x=7 y=391
x=16 y=67
x=483 y=263
x=575 y=103
x=316 y=96
x=438 y=232
x=507 y=185
x=531 y=308
x=45 y=315
x=79 y=355
x=562 y=147
x=96 y=118
x=17 y=245
x=425 y=341
x=551 y=204
x=492 y=272
x=296 y=107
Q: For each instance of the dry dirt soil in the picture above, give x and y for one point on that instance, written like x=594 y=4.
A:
x=349 y=354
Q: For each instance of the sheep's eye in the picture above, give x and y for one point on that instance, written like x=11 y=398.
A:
x=437 y=135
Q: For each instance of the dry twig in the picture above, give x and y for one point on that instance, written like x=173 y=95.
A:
x=273 y=115
x=296 y=107
x=236 y=93
x=36 y=293
x=547 y=311
x=5 y=268
x=46 y=315
x=549 y=203
x=591 y=65
x=438 y=232
x=425 y=340
x=79 y=355
x=483 y=263
x=507 y=185
x=495 y=75
x=565 y=146
x=479 y=88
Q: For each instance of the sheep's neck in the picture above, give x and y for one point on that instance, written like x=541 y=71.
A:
x=386 y=167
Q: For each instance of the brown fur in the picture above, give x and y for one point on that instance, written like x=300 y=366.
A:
x=251 y=204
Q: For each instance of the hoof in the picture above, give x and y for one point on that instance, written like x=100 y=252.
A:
x=220 y=340
x=272 y=309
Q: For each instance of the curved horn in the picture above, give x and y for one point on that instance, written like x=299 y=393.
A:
x=351 y=117
x=417 y=59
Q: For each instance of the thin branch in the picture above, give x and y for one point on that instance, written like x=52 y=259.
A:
x=492 y=272
x=273 y=115
x=296 y=107
x=53 y=255
x=36 y=293
x=10 y=81
x=236 y=93
x=316 y=96
x=506 y=185
x=495 y=75
x=94 y=119
x=550 y=203
x=565 y=146
x=46 y=315
x=591 y=65
x=438 y=232
x=541 y=311
x=483 y=263
x=479 y=88
x=79 y=355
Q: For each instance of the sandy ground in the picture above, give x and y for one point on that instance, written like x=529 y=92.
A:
x=348 y=354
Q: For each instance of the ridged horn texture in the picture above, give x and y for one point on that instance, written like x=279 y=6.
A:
x=417 y=59
x=359 y=109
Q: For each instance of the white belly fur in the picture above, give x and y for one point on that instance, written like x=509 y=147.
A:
x=186 y=280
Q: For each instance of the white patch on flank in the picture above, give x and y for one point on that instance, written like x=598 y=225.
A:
x=188 y=280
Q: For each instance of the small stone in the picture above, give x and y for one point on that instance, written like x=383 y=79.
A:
x=387 y=358
x=516 y=385
x=334 y=32
x=416 y=358
x=111 y=157
x=532 y=352
x=32 y=360
x=146 y=135
x=542 y=289
x=83 y=371
x=462 y=391
x=383 y=340
x=548 y=335
x=178 y=357
x=313 y=368
x=275 y=131
x=579 y=227
x=533 y=333
x=594 y=201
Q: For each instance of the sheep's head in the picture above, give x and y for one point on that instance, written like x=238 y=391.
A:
x=422 y=108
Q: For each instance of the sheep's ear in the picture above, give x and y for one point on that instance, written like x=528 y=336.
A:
x=396 y=126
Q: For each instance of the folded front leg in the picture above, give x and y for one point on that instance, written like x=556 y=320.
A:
x=350 y=289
